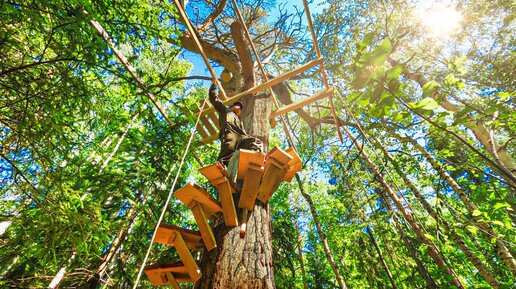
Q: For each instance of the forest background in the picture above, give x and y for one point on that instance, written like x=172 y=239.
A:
x=425 y=174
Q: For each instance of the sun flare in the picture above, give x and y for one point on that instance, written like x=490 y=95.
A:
x=440 y=20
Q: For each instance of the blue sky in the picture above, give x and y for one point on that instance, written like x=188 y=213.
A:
x=199 y=67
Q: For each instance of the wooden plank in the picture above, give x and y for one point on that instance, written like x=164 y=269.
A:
x=251 y=184
x=193 y=193
x=294 y=165
x=271 y=82
x=304 y=102
x=208 y=125
x=214 y=119
x=186 y=257
x=202 y=222
x=275 y=170
x=201 y=131
x=247 y=157
x=217 y=178
x=228 y=204
x=166 y=234
x=209 y=139
x=170 y=274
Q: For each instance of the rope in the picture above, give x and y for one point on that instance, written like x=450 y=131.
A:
x=192 y=133
x=264 y=74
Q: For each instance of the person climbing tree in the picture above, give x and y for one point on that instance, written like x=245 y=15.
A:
x=232 y=134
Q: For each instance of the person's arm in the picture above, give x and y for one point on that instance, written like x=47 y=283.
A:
x=215 y=101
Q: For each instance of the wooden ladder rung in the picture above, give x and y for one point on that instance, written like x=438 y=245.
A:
x=293 y=106
x=171 y=274
x=275 y=170
x=294 y=165
x=271 y=82
x=250 y=168
x=220 y=181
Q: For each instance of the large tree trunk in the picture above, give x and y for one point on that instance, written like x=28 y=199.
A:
x=244 y=263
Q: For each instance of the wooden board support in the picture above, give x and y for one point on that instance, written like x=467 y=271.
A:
x=250 y=165
x=192 y=192
x=183 y=240
x=304 y=102
x=271 y=82
x=247 y=157
x=275 y=170
x=171 y=274
x=203 y=206
x=294 y=165
x=202 y=222
x=166 y=234
x=220 y=181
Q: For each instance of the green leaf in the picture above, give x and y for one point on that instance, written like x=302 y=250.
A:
x=429 y=87
x=430 y=237
x=472 y=229
x=476 y=213
x=394 y=72
x=499 y=206
x=427 y=104
x=496 y=222
x=380 y=53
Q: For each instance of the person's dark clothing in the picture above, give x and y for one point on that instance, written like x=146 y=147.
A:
x=232 y=134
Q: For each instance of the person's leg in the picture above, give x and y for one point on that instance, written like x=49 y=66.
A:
x=250 y=143
x=227 y=147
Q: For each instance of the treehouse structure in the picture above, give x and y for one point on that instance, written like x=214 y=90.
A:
x=253 y=176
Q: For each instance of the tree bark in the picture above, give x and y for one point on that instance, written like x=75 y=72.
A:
x=501 y=249
x=300 y=252
x=380 y=256
x=326 y=247
x=244 y=263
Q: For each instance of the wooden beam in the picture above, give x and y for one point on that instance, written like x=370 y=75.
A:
x=268 y=84
x=202 y=222
x=294 y=165
x=275 y=170
x=299 y=104
x=219 y=180
x=209 y=139
x=186 y=257
x=166 y=234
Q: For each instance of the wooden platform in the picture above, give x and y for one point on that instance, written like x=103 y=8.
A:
x=166 y=234
x=294 y=165
x=250 y=168
x=171 y=274
x=217 y=178
x=203 y=206
x=275 y=170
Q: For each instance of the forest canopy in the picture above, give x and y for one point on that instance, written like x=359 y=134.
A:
x=420 y=192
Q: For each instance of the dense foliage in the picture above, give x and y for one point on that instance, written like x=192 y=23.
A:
x=429 y=122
